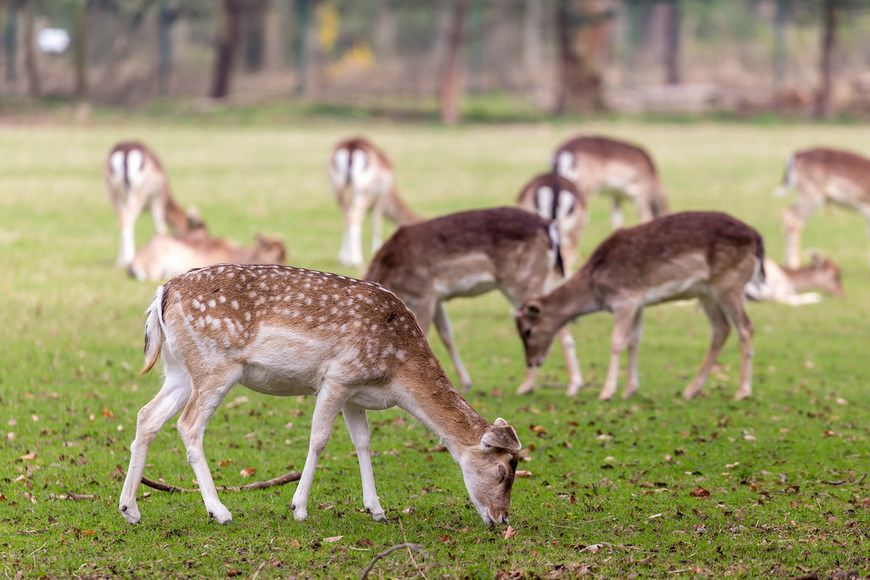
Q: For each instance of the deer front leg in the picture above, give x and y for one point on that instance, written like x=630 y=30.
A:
x=623 y=322
x=329 y=402
x=127 y=215
x=616 y=217
x=351 y=243
x=736 y=312
x=720 y=329
x=442 y=324
x=794 y=219
x=575 y=378
x=633 y=344
x=358 y=426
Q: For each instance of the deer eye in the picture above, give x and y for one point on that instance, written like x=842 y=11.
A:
x=502 y=473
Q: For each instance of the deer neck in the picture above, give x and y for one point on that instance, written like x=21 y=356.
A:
x=175 y=215
x=398 y=211
x=572 y=299
x=801 y=279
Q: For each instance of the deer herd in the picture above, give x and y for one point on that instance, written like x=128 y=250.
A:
x=233 y=315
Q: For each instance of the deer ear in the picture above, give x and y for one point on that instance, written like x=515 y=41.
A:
x=501 y=436
x=817 y=259
x=532 y=309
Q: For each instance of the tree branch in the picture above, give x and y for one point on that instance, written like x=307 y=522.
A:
x=286 y=478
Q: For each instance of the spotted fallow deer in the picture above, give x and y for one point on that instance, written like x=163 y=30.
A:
x=166 y=256
x=286 y=331
x=362 y=178
x=554 y=197
x=790 y=285
x=615 y=168
x=467 y=254
x=135 y=180
x=822 y=175
x=706 y=255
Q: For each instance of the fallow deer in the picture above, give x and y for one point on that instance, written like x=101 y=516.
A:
x=135 y=179
x=166 y=256
x=287 y=331
x=468 y=254
x=706 y=255
x=789 y=286
x=362 y=178
x=616 y=168
x=822 y=175
x=554 y=197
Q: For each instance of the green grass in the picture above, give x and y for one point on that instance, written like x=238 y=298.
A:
x=611 y=486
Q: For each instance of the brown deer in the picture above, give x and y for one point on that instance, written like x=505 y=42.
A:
x=468 y=254
x=166 y=256
x=705 y=255
x=135 y=179
x=616 y=168
x=822 y=175
x=362 y=178
x=790 y=285
x=554 y=197
x=287 y=331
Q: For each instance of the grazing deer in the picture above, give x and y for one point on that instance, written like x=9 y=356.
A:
x=789 y=286
x=288 y=332
x=166 y=256
x=706 y=255
x=554 y=197
x=363 y=181
x=135 y=180
x=822 y=175
x=468 y=254
x=616 y=168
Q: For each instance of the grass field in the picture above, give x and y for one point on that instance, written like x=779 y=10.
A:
x=616 y=488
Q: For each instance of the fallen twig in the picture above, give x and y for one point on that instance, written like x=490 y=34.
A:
x=286 y=478
x=387 y=552
x=849 y=481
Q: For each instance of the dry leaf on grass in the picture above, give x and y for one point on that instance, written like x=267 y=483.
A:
x=248 y=472
x=332 y=539
x=523 y=473
x=699 y=492
x=509 y=533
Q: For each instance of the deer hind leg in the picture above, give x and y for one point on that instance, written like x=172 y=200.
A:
x=354 y=214
x=633 y=344
x=734 y=309
x=720 y=329
x=330 y=400
x=208 y=393
x=171 y=399
x=358 y=427
x=442 y=325
x=623 y=323
x=616 y=217
x=575 y=377
x=127 y=214
x=794 y=219
x=158 y=215
x=378 y=221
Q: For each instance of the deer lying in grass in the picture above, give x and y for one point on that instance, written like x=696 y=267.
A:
x=363 y=181
x=166 y=256
x=135 y=179
x=554 y=197
x=616 y=168
x=468 y=254
x=789 y=286
x=706 y=255
x=286 y=331
x=822 y=175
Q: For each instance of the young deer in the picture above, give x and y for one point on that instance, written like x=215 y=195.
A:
x=362 y=178
x=286 y=331
x=706 y=255
x=789 y=286
x=822 y=175
x=135 y=179
x=166 y=256
x=616 y=168
x=554 y=197
x=468 y=254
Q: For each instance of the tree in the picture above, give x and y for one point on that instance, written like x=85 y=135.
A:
x=582 y=30
x=30 y=65
x=80 y=49
x=451 y=73
x=673 y=19
x=826 y=65
x=226 y=47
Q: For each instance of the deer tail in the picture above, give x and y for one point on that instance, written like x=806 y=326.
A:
x=154 y=335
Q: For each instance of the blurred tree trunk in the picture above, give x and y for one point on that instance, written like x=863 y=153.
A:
x=226 y=47
x=31 y=67
x=673 y=20
x=166 y=17
x=273 y=37
x=451 y=74
x=826 y=73
x=253 y=34
x=780 y=53
x=582 y=29
x=630 y=42
x=10 y=37
x=532 y=46
x=301 y=22
x=80 y=49
x=385 y=29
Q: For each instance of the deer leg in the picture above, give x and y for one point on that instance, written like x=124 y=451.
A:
x=330 y=400
x=623 y=322
x=358 y=427
x=633 y=343
x=528 y=384
x=616 y=217
x=378 y=223
x=736 y=313
x=720 y=330
x=158 y=215
x=575 y=378
x=206 y=397
x=351 y=244
x=127 y=215
x=442 y=324
x=167 y=403
x=794 y=220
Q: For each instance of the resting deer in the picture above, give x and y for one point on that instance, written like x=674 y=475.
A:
x=362 y=178
x=822 y=175
x=554 y=197
x=616 y=168
x=135 y=180
x=166 y=256
x=706 y=255
x=286 y=331
x=468 y=254
x=789 y=286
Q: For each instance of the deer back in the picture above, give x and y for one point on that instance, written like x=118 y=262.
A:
x=843 y=176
